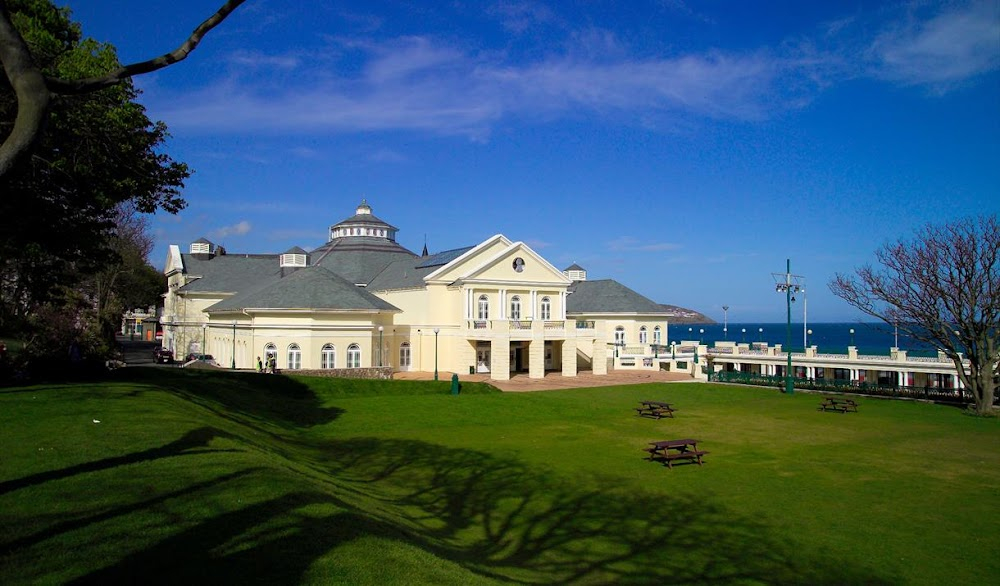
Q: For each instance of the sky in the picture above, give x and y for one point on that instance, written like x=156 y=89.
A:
x=686 y=149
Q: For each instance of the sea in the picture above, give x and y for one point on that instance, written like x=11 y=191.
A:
x=830 y=338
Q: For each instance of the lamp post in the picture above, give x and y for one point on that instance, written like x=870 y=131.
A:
x=760 y=334
x=234 y=345
x=380 y=328
x=725 y=322
x=852 y=336
x=788 y=287
x=808 y=333
x=805 y=308
x=673 y=350
x=744 y=335
x=701 y=335
x=436 y=331
x=204 y=332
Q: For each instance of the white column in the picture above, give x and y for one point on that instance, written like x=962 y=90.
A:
x=534 y=300
x=562 y=297
x=502 y=294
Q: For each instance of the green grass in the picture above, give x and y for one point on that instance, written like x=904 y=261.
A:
x=232 y=478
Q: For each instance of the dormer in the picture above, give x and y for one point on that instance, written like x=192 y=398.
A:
x=363 y=224
x=575 y=272
x=203 y=249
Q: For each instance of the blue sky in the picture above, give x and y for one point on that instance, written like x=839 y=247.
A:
x=685 y=149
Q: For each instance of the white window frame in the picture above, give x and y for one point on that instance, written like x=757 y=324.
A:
x=656 y=335
x=546 y=310
x=484 y=307
x=294 y=357
x=643 y=335
x=620 y=335
x=515 y=307
x=354 y=356
x=404 y=356
x=328 y=356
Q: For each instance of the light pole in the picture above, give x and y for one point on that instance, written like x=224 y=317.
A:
x=852 y=336
x=204 y=332
x=808 y=333
x=744 y=335
x=760 y=334
x=895 y=334
x=725 y=322
x=673 y=350
x=234 y=345
x=436 y=331
x=701 y=335
x=786 y=285
x=380 y=328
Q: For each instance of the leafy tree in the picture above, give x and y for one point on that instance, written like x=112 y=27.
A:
x=942 y=287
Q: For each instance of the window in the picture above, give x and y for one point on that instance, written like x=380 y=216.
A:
x=404 y=355
x=484 y=307
x=546 y=308
x=294 y=357
x=353 y=356
x=270 y=351
x=515 y=307
x=328 y=357
x=619 y=335
x=643 y=335
x=656 y=335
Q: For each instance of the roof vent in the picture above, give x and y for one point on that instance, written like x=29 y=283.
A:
x=296 y=257
x=203 y=248
x=575 y=272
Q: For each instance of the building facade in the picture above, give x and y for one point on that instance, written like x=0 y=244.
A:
x=363 y=300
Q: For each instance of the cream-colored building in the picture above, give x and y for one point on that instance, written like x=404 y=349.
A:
x=362 y=300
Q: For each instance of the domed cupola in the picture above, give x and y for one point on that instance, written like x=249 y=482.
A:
x=363 y=224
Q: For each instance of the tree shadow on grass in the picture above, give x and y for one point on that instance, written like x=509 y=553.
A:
x=193 y=442
x=256 y=397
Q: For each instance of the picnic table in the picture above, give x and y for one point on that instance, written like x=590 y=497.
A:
x=678 y=449
x=654 y=409
x=838 y=404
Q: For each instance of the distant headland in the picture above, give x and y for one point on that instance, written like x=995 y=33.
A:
x=681 y=315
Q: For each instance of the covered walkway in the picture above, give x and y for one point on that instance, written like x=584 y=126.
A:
x=555 y=380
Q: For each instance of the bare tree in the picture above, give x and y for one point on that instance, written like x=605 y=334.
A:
x=34 y=90
x=941 y=288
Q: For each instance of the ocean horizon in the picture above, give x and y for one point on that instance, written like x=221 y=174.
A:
x=869 y=337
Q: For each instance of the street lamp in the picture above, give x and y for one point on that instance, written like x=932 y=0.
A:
x=234 y=345
x=760 y=334
x=852 y=336
x=788 y=284
x=204 y=332
x=805 y=308
x=673 y=350
x=744 y=335
x=701 y=335
x=436 y=331
x=808 y=333
x=380 y=345
x=725 y=321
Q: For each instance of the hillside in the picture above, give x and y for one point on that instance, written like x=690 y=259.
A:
x=680 y=315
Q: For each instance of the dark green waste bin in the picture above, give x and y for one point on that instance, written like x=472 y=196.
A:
x=472 y=370
x=454 y=384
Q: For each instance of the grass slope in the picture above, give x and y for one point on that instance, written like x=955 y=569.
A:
x=208 y=476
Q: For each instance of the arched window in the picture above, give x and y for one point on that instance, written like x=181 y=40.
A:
x=546 y=308
x=294 y=357
x=515 y=307
x=270 y=351
x=643 y=339
x=619 y=335
x=328 y=357
x=354 y=356
x=484 y=307
x=404 y=355
x=656 y=336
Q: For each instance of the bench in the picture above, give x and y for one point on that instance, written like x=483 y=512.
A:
x=668 y=458
x=841 y=405
x=654 y=409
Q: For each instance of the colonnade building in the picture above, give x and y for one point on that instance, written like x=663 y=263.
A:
x=363 y=300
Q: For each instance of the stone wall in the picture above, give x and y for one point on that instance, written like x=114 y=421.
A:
x=375 y=373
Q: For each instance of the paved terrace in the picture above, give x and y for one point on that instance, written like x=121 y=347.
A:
x=555 y=380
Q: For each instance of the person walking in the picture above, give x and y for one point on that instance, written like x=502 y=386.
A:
x=260 y=365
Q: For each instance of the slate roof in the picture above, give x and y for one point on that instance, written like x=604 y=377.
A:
x=401 y=274
x=307 y=288
x=574 y=267
x=442 y=258
x=295 y=250
x=365 y=219
x=229 y=273
x=608 y=296
x=359 y=259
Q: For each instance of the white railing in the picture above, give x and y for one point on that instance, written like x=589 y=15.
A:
x=555 y=325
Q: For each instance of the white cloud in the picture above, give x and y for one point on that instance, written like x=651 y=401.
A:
x=238 y=229
x=959 y=43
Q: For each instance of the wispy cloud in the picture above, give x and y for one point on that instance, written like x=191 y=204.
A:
x=960 y=42
x=521 y=16
x=237 y=229
x=630 y=244
x=422 y=84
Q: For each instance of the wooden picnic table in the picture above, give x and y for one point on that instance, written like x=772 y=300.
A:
x=838 y=404
x=654 y=409
x=677 y=449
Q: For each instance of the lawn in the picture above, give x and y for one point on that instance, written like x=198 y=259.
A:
x=235 y=478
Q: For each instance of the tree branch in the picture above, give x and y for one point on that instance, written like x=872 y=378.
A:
x=33 y=97
x=92 y=84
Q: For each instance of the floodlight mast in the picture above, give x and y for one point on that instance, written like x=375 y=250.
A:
x=786 y=285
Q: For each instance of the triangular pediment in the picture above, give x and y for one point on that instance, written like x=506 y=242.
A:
x=174 y=262
x=501 y=261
